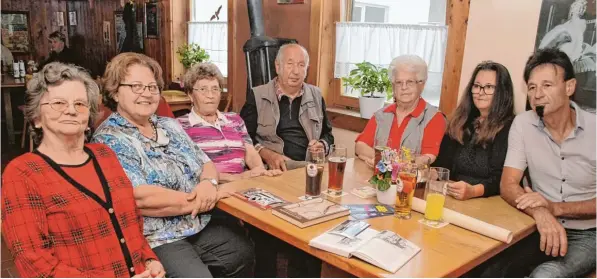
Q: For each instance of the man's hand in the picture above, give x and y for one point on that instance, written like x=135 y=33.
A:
x=316 y=145
x=274 y=160
x=204 y=196
x=553 y=235
x=156 y=269
x=532 y=200
x=460 y=190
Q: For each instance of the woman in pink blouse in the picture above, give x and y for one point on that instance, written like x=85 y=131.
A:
x=222 y=136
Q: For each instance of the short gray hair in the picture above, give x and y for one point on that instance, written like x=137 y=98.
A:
x=53 y=74
x=412 y=63
x=280 y=54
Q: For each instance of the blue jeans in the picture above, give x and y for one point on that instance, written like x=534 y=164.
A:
x=526 y=259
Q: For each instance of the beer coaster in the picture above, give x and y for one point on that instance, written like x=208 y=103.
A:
x=433 y=224
x=334 y=195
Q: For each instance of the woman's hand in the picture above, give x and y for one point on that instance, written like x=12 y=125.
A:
x=261 y=171
x=460 y=190
x=204 y=197
x=145 y=274
x=156 y=269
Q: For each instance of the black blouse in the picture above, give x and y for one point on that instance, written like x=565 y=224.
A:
x=474 y=164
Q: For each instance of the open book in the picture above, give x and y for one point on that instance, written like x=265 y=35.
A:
x=384 y=249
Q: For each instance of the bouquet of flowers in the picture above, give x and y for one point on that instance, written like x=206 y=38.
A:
x=388 y=167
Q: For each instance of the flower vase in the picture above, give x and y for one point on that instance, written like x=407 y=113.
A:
x=388 y=196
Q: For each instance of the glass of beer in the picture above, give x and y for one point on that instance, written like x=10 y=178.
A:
x=314 y=172
x=405 y=190
x=436 y=191
x=336 y=166
x=378 y=147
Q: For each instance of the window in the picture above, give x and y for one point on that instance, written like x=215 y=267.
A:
x=367 y=12
x=209 y=29
x=400 y=27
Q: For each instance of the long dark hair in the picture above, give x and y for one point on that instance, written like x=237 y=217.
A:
x=500 y=112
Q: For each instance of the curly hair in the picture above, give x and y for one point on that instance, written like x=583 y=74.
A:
x=117 y=70
x=54 y=74
x=201 y=71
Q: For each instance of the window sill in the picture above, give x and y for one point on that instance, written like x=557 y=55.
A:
x=346 y=119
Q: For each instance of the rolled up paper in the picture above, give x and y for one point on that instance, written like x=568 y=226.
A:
x=467 y=222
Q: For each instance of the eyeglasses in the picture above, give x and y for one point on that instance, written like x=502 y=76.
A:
x=62 y=105
x=488 y=89
x=139 y=88
x=409 y=83
x=205 y=90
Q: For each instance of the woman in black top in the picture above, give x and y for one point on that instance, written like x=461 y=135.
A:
x=476 y=141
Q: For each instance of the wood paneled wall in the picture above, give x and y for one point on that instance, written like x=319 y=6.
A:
x=281 y=21
x=90 y=18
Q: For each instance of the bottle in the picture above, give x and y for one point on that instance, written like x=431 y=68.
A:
x=15 y=70
x=22 y=68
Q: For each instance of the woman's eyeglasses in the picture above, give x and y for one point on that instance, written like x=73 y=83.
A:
x=62 y=105
x=409 y=83
x=139 y=88
x=488 y=89
x=205 y=90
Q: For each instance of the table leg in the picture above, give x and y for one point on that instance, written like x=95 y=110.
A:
x=330 y=271
x=8 y=111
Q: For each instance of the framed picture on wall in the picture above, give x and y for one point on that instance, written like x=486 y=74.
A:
x=15 y=31
x=152 y=19
x=569 y=25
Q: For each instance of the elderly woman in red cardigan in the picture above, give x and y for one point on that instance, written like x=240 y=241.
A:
x=67 y=207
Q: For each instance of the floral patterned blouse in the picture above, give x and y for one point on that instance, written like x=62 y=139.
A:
x=173 y=162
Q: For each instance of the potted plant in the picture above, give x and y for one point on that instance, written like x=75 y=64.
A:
x=191 y=54
x=374 y=84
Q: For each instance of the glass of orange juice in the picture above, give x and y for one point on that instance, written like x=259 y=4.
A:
x=435 y=194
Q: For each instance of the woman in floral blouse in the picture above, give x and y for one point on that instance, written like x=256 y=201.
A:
x=68 y=209
x=176 y=185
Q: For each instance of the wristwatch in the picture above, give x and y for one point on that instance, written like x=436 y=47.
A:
x=213 y=182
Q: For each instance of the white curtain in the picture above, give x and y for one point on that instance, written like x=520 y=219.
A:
x=380 y=43
x=213 y=37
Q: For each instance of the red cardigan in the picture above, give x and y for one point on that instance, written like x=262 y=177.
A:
x=55 y=227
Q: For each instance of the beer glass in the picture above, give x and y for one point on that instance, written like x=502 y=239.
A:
x=378 y=147
x=405 y=190
x=435 y=194
x=423 y=164
x=336 y=166
x=314 y=172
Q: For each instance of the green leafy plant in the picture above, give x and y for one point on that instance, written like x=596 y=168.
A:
x=368 y=79
x=191 y=54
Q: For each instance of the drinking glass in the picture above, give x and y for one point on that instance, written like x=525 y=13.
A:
x=314 y=172
x=336 y=166
x=405 y=190
x=378 y=147
x=435 y=194
x=423 y=165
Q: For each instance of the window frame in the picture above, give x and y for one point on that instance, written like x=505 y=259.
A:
x=336 y=97
x=364 y=7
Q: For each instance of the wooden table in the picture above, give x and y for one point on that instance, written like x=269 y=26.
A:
x=447 y=252
x=10 y=85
